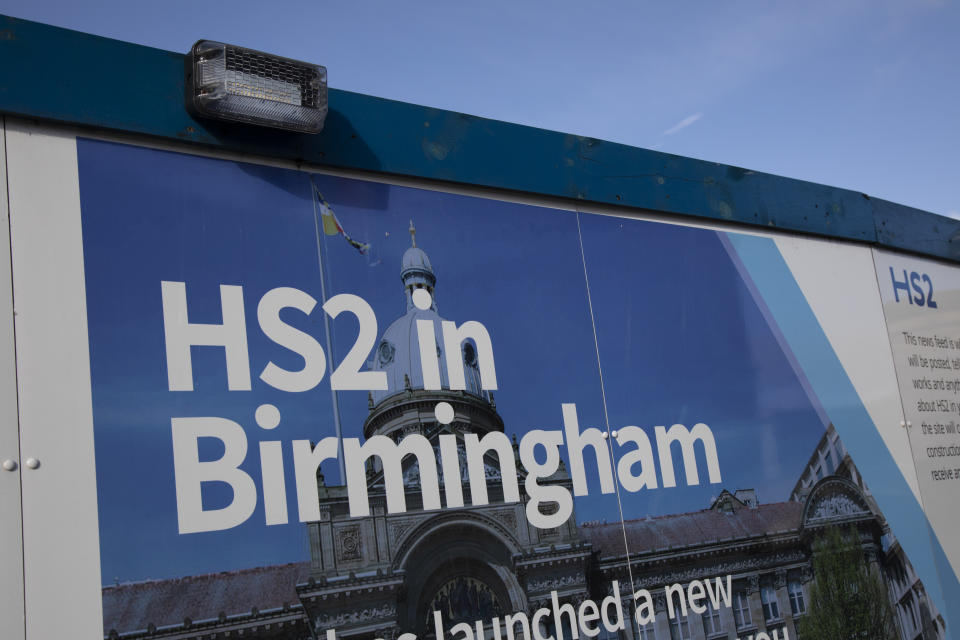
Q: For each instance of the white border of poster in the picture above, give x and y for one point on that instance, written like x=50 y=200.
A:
x=11 y=553
x=61 y=550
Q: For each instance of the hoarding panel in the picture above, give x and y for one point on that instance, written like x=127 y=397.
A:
x=921 y=304
x=61 y=560
x=11 y=552
x=204 y=284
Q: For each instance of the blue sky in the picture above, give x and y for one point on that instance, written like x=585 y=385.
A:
x=682 y=340
x=861 y=94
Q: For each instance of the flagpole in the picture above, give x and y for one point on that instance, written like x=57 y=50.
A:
x=314 y=195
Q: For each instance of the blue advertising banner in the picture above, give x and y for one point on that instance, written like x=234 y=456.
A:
x=330 y=407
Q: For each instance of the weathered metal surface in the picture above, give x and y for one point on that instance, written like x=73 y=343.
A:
x=902 y=227
x=67 y=76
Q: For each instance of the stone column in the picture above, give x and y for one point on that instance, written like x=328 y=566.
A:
x=756 y=606
x=316 y=555
x=325 y=531
x=628 y=620
x=783 y=598
x=728 y=622
x=380 y=535
x=662 y=625
x=697 y=632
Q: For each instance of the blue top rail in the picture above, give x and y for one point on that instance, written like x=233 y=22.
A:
x=71 y=77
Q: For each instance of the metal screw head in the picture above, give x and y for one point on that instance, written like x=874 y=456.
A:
x=9 y=465
x=613 y=434
x=32 y=463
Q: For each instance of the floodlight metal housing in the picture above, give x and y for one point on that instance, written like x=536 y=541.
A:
x=226 y=82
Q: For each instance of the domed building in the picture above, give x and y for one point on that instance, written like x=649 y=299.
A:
x=385 y=574
x=398 y=355
x=380 y=575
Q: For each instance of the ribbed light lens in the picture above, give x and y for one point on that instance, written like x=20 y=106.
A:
x=233 y=83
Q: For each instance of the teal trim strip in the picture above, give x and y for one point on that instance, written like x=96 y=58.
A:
x=71 y=77
x=811 y=350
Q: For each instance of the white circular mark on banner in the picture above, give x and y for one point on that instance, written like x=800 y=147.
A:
x=267 y=416
x=422 y=299
x=443 y=413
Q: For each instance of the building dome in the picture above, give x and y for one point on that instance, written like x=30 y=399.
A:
x=398 y=354
x=398 y=351
x=416 y=260
x=416 y=272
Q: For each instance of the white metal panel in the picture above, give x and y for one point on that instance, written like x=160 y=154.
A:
x=839 y=283
x=61 y=545
x=925 y=340
x=11 y=541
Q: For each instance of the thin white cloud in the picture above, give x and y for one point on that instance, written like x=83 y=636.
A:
x=954 y=214
x=683 y=124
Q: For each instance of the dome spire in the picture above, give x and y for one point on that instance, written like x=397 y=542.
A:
x=416 y=272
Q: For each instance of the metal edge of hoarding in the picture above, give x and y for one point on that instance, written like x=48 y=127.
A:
x=12 y=612
x=113 y=85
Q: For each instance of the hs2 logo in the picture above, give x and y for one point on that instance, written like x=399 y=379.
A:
x=921 y=284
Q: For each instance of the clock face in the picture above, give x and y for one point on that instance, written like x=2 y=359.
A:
x=385 y=353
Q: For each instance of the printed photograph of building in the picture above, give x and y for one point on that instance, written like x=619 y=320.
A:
x=385 y=574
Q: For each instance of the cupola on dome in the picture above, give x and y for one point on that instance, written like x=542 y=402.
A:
x=397 y=353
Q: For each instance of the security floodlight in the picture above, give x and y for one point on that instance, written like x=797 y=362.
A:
x=225 y=82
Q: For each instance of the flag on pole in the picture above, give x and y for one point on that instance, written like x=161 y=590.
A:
x=332 y=226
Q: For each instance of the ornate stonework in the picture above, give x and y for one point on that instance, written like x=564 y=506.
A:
x=349 y=543
x=552 y=583
x=834 y=498
x=740 y=565
x=507 y=516
x=659 y=601
x=344 y=617
x=780 y=579
x=835 y=506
